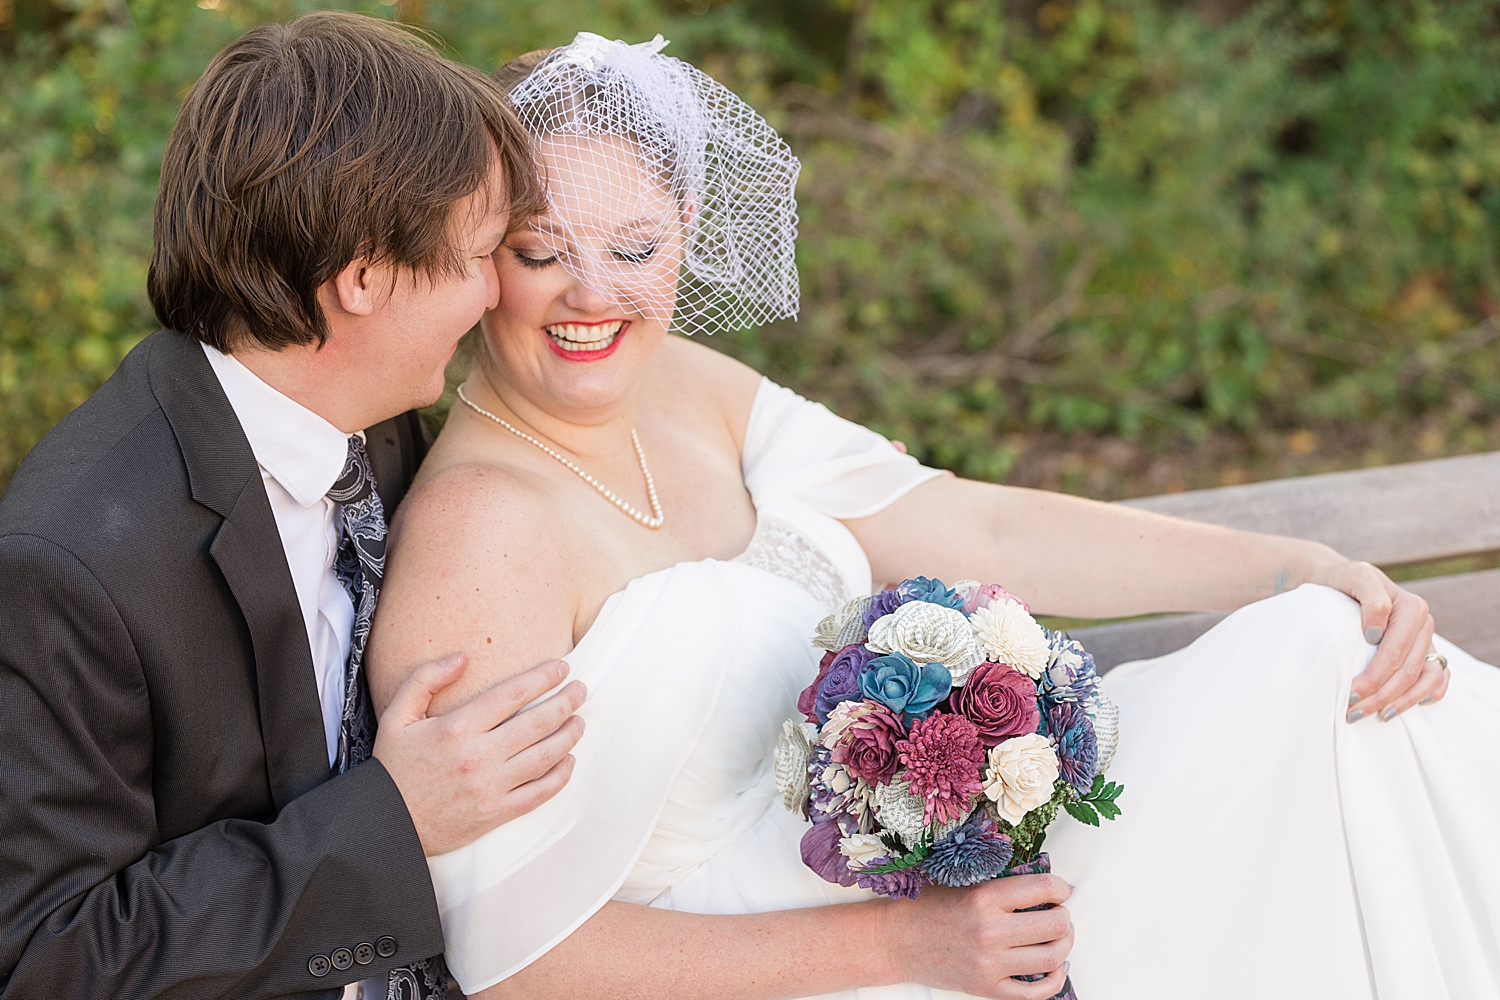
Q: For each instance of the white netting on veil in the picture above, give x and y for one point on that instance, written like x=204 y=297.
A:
x=667 y=194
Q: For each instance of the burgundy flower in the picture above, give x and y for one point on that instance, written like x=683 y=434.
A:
x=867 y=747
x=820 y=852
x=1000 y=701
x=808 y=699
x=943 y=759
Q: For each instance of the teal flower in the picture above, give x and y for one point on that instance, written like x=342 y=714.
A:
x=907 y=689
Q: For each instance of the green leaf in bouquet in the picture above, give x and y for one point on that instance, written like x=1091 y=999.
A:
x=1101 y=798
x=916 y=857
x=1082 y=812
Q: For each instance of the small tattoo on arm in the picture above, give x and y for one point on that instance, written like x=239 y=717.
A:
x=1282 y=582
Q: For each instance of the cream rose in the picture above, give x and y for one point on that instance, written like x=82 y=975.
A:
x=1020 y=776
x=928 y=633
x=862 y=848
x=1009 y=635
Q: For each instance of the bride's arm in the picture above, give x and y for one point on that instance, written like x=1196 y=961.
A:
x=461 y=576
x=969 y=940
x=1081 y=558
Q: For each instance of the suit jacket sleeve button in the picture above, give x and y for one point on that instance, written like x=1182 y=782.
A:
x=318 y=965
x=364 y=953
x=385 y=947
x=342 y=959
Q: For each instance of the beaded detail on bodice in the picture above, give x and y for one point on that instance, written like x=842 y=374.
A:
x=780 y=550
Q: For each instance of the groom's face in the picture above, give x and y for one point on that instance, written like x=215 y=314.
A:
x=397 y=354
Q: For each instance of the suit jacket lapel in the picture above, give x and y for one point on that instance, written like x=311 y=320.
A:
x=226 y=479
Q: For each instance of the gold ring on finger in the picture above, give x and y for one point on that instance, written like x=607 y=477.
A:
x=1439 y=659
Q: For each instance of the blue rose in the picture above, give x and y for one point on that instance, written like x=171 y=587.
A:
x=918 y=589
x=904 y=687
x=930 y=590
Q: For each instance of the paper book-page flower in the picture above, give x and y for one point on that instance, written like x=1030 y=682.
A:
x=1020 y=777
x=1000 y=701
x=1009 y=634
x=790 y=761
x=929 y=633
x=942 y=761
x=903 y=686
x=844 y=627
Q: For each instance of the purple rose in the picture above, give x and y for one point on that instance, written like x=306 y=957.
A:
x=820 y=852
x=841 y=682
x=807 y=701
x=1000 y=701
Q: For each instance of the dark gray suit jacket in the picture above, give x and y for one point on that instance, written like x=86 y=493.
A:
x=169 y=826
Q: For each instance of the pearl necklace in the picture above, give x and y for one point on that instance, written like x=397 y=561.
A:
x=646 y=522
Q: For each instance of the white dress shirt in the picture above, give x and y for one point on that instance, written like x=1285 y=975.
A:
x=300 y=456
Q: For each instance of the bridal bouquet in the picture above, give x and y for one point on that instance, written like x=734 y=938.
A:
x=943 y=733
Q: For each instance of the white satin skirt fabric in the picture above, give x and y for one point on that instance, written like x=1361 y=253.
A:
x=1267 y=848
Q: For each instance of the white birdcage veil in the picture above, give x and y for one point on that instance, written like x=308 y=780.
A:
x=667 y=194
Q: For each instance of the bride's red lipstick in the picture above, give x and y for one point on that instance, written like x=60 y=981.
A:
x=598 y=355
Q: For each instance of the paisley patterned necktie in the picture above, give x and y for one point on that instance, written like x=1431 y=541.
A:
x=360 y=567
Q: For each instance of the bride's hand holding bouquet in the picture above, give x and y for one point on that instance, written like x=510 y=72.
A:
x=943 y=733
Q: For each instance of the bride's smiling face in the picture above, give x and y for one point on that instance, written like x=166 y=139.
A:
x=587 y=290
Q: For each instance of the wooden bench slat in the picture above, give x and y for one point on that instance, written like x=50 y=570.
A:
x=1395 y=514
x=1465 y=607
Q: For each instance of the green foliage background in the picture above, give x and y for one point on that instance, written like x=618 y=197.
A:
x=1158 y=222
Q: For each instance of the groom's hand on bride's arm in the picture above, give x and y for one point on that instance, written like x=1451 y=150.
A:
x=1399 y=624
x=484 y=763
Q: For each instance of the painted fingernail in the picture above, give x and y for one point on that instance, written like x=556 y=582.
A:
x=1354 y=716
x=1426 y=701
x=1389 y=714
x=1353 y=697
x=1374 y=634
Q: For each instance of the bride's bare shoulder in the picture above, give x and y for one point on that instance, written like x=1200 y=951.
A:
x=465 y=574
x=706 y=380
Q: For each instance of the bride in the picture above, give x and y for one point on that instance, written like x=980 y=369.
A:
x=1305 y=814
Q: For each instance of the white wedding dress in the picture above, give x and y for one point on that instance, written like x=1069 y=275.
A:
x=1266 y=849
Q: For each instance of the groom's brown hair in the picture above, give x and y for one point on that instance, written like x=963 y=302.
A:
x=306 y=146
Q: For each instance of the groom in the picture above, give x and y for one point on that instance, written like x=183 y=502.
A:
x=194 y=801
